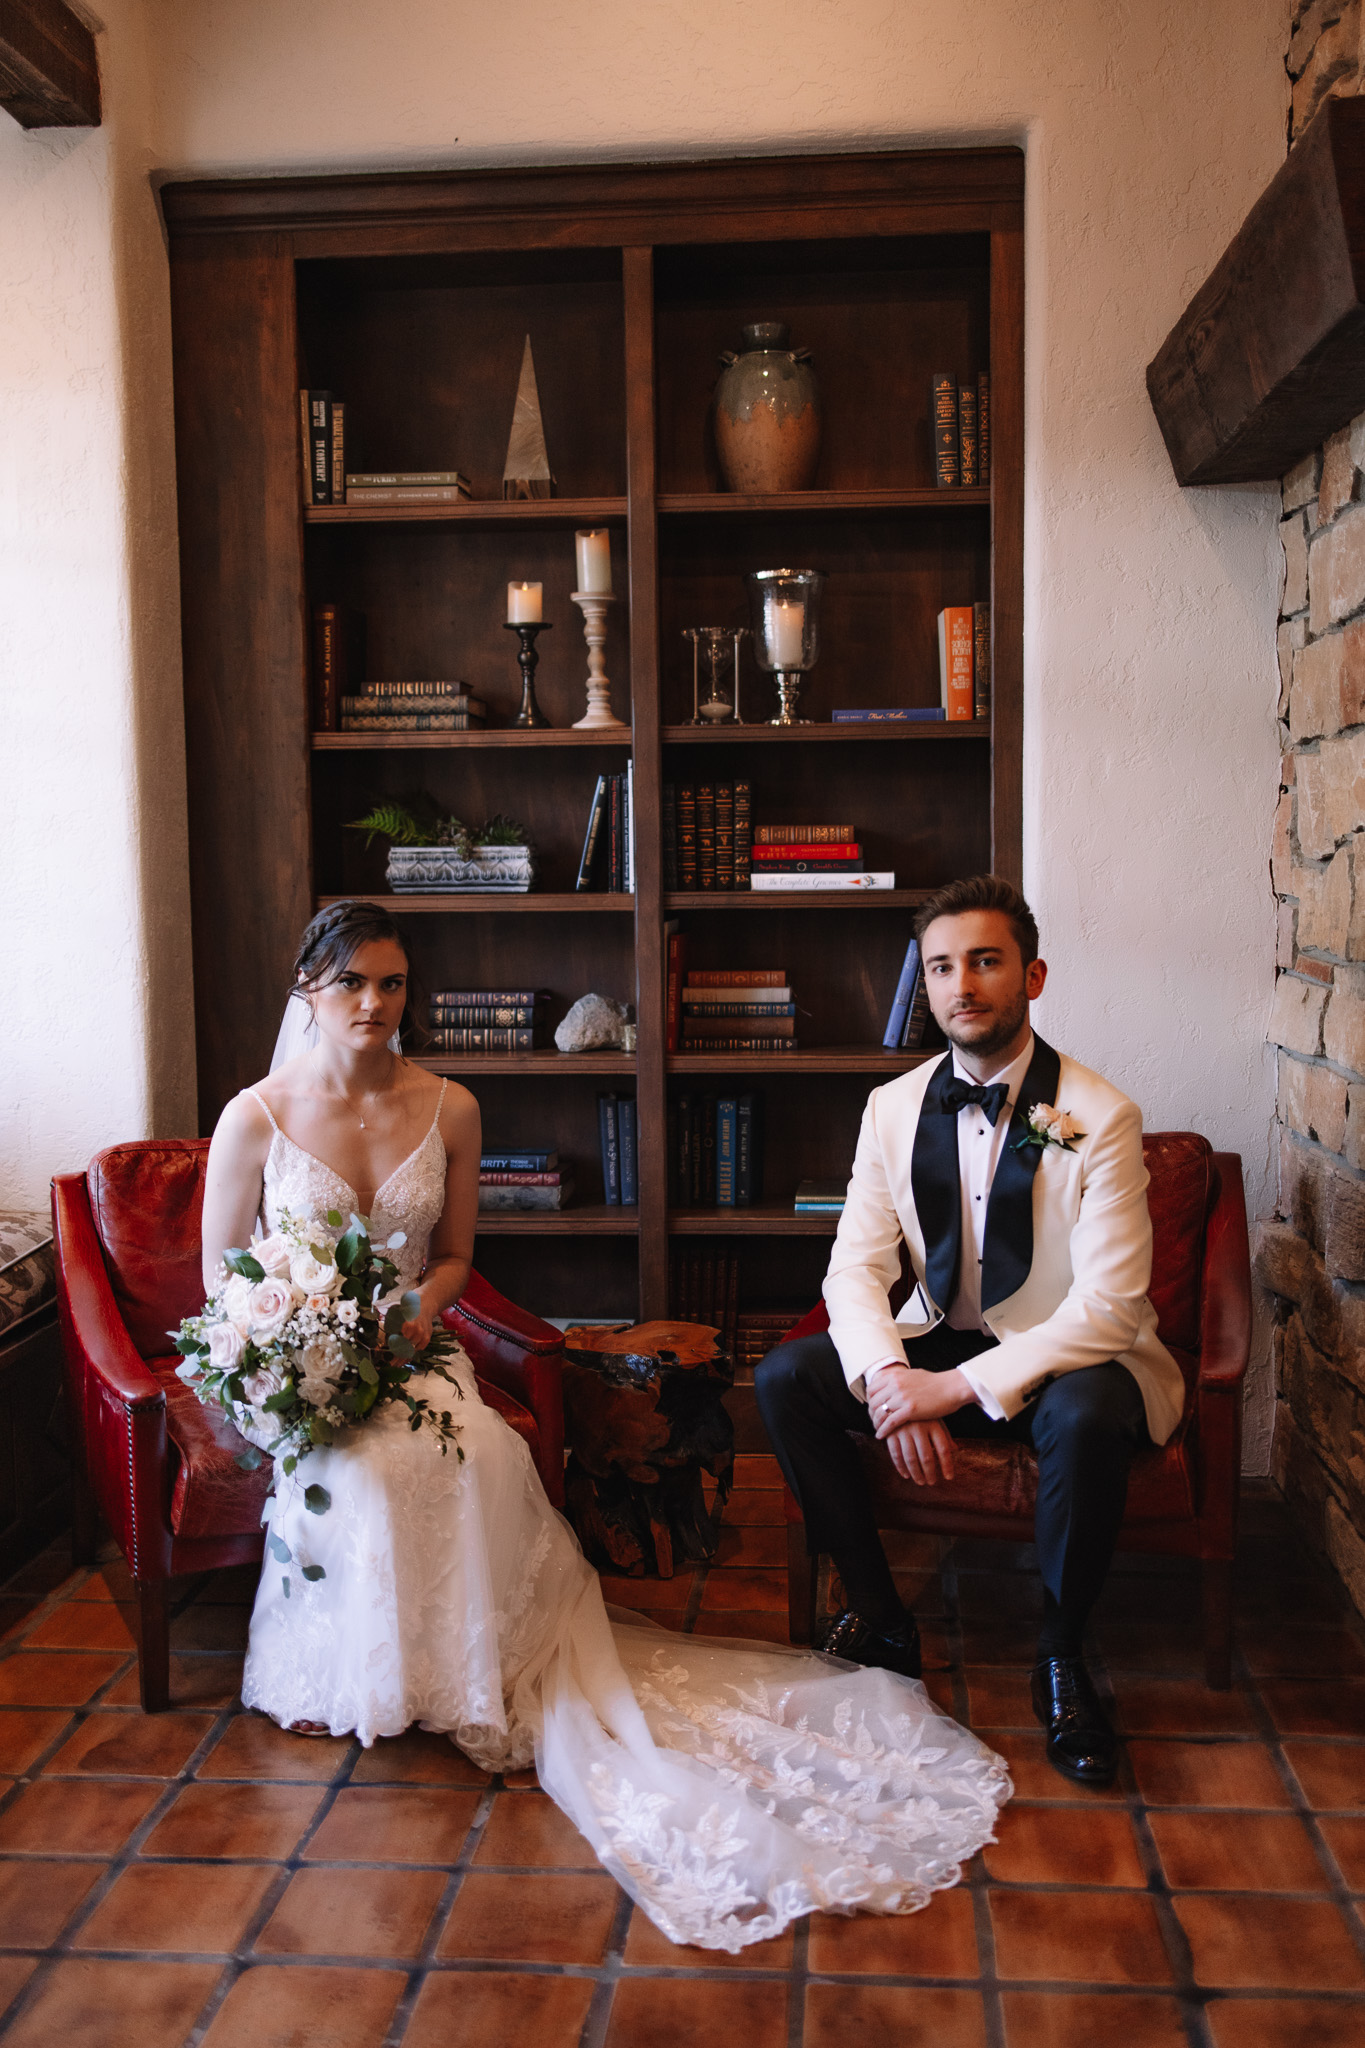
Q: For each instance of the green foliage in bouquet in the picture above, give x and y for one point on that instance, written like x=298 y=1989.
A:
x=298 y=1337
x=422 y=823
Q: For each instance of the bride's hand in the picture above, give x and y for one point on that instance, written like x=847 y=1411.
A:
x=418 y=1331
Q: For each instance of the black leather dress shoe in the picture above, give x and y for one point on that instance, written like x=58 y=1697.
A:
x=850 y=1637
x=1080 y=1742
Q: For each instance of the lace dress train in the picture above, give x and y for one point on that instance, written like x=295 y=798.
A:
x=729 y=1787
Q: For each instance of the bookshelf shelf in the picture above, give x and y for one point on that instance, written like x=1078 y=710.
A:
x=475 y=512
x=409 y=296
x=821 y=1059
x=821 y=735
x=769 y=1219
x=801 y=504
x=510 y=902
x=457 y=742
x=794 y=899
x=600 y=1219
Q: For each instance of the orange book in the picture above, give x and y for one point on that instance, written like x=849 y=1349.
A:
x=955 y=632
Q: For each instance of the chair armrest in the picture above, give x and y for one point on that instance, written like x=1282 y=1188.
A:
x=92 y=1327
x=1225 y=1295
x=811 y=1324
x=524 y=1356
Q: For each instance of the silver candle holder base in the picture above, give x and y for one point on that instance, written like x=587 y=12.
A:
x=789 y=681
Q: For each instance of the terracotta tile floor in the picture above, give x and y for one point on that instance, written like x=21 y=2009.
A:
x=199 y=1876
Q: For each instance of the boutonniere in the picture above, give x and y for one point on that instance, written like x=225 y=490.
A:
x=1049 y=1126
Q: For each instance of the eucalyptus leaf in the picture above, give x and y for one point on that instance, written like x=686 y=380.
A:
x=394 y=1320
x=320 y=1432
x=412 y=1304
x=334 y=1219
x=278 y=1548
x=285 y=1583
x=277 y=1403
x=366 y=1370
x=249 y=1459
x=313 y=1572
x=400 y=1349
x=238 y=1261
x=317 y=1500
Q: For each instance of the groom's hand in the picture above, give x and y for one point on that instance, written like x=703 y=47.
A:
x=922 y=1452
x=901 y=1394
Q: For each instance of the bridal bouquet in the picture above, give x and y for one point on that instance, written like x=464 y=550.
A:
x=303 y=1338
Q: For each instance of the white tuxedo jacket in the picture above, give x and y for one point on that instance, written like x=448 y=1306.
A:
x=1067 y=1256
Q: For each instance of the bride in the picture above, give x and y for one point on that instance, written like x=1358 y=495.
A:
x=729 y=1787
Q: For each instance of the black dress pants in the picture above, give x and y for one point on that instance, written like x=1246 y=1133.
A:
x=1084 y=1428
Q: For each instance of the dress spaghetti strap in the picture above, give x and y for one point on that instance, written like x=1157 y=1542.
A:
x=266 y=1107
x=440 y=1103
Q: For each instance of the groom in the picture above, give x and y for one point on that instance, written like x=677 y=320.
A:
x=1031 y=1249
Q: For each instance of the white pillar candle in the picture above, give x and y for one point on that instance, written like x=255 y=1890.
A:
x=594 y=560
x=786 y=632
x=523 y=603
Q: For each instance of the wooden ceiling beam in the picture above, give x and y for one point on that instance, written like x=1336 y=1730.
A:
x=49 y=74
x=1268 y=358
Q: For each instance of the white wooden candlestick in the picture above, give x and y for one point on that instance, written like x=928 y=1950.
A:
x=593 y=605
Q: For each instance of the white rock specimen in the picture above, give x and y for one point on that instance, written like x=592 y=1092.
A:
x=592 y=1024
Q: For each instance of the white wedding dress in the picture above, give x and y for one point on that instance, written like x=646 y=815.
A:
x=729 y=1787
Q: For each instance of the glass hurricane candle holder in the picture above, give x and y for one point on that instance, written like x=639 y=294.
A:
x=785 y=606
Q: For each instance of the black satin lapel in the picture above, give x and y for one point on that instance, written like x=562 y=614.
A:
x=936 y=1184
x=1008 y=1251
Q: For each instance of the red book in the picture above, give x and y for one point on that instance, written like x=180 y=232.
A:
x=677 y=962
x=956 y=628
x=766 y=855
x=738 y=977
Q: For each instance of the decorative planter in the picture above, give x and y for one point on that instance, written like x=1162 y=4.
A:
x=416 y=868
x=768 y=414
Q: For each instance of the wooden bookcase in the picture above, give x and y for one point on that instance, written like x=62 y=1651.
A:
x=410 y=296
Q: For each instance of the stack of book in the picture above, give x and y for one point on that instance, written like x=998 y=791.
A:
x=820 y=1197
x=737 y=1009
x=487 y=1019
x=608 y=857
x=707 y=835
x=618 y=1132
x=757 y=1332
x=524 y=1180
x=909 y=1014
x=406 y=487
x=715 y=1151
x=703 y=1287
x=801 y=857
x=413 y=707
x=960 y=428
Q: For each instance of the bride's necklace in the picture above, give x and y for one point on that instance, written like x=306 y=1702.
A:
x=337 y=1090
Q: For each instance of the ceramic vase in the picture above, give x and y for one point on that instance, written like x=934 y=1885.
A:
x=767 y=414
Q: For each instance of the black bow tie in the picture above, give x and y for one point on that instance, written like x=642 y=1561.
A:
x=955 y=1094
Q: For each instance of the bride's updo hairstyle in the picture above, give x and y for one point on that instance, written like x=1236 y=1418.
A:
x=335 y=935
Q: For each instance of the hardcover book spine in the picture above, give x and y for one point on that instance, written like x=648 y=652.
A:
x=411 y=721
x=917 y=1020
x=725 y=835
x=518 y=1162
x=726 y=1111
x=966 y=428
x=706 y=835
x=740 y=1045
x=825 y=870
x=411 y=479
x=609 y=1132
x=682 y=1186
x=760 y=1010
x=738 y=977
x=744 y=833
x=306 y=431
x=943 y=427
x=406 y=494
x=902 y=714
x=697 y=1029
x=669 y=836
x=465 y=1015
x=708 y=1151
x=900 y=1002
x=697 y=1181
x=744 y=1152
x=593 y=835
x=525 y=1197
x=614 y=843
x=983 y=426
x=880 y=878
x=803 y=835
x=320 y=447
x=483 y=1038
x=630 y=1179
x=671 y=1151
x=687 y=836
x=955 y=631
x=455 y=996
x=628 y=825
x=327 y=665
x=519 y=1180
x=981 y=660
x=338 y=476
x=677 y=966
x=847 y=849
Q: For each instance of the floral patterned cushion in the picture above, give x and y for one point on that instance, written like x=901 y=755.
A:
x=27 y=1280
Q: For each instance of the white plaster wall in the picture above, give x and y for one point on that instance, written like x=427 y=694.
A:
x=1150 y=749
x=95 y=1042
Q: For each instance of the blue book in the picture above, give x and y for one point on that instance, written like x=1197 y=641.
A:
x=897 y=714
x=518 y=1162
x=609 y=1131
x=900 y=1003
x=630 y=1155
x=727 y=1148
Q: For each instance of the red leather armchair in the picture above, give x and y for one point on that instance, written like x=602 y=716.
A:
x=156 y=1464
x=1182 y=1498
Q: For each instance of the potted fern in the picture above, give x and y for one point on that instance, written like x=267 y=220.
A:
x=432 y=851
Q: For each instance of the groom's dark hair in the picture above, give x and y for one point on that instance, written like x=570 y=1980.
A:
x=983 y=892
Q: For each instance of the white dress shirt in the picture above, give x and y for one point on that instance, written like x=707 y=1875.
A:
x=979 y=1145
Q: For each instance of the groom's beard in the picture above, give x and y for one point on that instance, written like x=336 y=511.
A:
x=988 y=1034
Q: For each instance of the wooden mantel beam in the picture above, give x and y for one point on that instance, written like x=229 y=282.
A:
x=49 y=74
x=1268 y=358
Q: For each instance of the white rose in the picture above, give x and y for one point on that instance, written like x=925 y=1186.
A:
x=1064 y=1128
x=320 y=1364
x=314 y=1276
x=347 y=1313
x=273 y=1254
x=1043 y=1116
x=226 y=1346
x=237 y=1303
x=272 y=1304
x=265 y=1381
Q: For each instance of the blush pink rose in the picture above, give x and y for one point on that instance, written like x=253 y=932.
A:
x=272 y=1304
x=226 y=1346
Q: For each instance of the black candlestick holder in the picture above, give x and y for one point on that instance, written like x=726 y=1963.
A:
x=530 y=717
